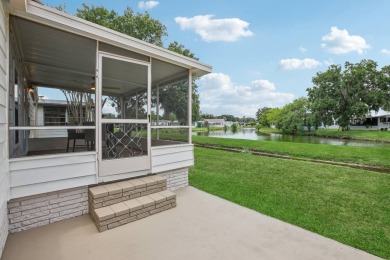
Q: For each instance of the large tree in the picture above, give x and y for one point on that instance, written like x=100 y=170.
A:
x=273 y=115
x=228 y=118
x=295 y=116
x=173 y=98
x=261 y=116
x=139 y=25
x=181 y=49
x=204 y=116
x=349 y=94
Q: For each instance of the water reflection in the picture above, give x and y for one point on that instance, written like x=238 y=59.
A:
x=251 y=134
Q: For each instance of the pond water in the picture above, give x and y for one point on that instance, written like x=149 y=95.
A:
x=251 y=134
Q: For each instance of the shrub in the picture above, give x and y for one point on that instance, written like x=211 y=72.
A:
x=234 y=127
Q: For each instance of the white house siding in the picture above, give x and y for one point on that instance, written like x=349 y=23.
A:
x=167 y=158
x=47 y=133
x=40 y=119
x=34 y=175
x=4 y=182
x=51 y=133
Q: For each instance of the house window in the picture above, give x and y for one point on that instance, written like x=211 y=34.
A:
x=54 y=116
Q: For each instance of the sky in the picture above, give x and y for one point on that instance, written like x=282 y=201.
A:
x=265 y=53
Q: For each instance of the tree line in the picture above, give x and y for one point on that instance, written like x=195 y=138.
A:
x=232 y=118
x=338 y=96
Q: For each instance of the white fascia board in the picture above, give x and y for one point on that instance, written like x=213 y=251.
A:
x=70 y=23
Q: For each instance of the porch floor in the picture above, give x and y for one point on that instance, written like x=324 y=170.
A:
x=202 y=226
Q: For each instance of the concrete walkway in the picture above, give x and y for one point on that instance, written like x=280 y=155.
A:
x=202 y=226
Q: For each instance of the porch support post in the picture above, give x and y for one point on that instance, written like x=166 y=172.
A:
x=98 y=111
x=158 y=111
x=136 y=105
x=190 y=106
x=123 y=116
x=81 y=109
x=149 y=125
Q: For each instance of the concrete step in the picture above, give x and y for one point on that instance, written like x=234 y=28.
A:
x=131 y=210
x=112 y=193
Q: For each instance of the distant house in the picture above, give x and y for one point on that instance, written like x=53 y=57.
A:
x=229 y=123
x=199 y=124
x=383 y=121
x=50 y=113
x=215 y=122
x=379 y=121
x=166 y=123
x=373 y=121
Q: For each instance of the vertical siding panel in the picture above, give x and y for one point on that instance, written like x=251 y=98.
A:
x=4 y=180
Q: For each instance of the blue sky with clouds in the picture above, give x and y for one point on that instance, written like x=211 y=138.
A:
x=265 y=53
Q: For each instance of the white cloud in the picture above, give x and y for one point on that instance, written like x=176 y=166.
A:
x=210 y=29
x=219 y=95
x=108 y=108
x=328 y=62
x=385 y=51
x=340 y=42
x=147 y=5
x=294 y=64
x=264 y=84
x=302 y=49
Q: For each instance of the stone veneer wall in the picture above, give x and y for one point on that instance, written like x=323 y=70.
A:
x=38 y=210
x=176 y=178
x=42 y=209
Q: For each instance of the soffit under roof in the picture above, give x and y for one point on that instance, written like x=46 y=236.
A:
x=56 y=58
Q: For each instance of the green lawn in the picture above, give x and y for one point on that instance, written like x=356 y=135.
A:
x=348 y=205
x=357 y=134
x=378 y=156
x=269 y=130
x=211 y=128
x=200 y=129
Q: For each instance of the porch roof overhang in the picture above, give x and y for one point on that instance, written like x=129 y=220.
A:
x=43 y=33
x=378 y=116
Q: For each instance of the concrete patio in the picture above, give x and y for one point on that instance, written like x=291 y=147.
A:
x=202 y=226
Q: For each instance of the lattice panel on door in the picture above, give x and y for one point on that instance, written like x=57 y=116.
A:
x=124 y=140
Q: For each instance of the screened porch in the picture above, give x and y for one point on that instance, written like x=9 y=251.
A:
x=88 y=104
x=68 y=91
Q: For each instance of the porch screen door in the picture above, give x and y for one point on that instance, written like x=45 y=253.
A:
x=124 y=94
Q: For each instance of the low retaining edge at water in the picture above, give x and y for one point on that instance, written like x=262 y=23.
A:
x=341 y=137
x=275 y=155
x=347 y=137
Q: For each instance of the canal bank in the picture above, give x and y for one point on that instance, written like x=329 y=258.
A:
x=362 y=155
x=329 y=139
x=275 y=155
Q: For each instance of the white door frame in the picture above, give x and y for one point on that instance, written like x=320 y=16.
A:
x=126 y=165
